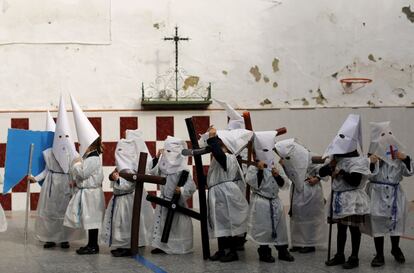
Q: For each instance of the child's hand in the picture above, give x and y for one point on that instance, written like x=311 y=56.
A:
x=31 y=179
x=400 y=156
x=114 y=176
x=275 y=172
x=261 y=165
x=373 y=159
x=159 y=153
x=212 y=132
x=312 y=180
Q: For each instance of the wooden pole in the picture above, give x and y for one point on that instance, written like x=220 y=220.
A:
x=29 y=173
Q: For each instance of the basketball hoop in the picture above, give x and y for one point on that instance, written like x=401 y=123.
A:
x=352 y=84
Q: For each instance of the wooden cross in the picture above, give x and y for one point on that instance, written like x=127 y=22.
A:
x=173 y=207
x=139 y=179
x=202 y=185
x=176 y=39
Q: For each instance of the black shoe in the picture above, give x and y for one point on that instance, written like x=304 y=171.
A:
x=307 y=249
x=398 y=255
x=351 y=263
x=157 y=251
x=295 y=248
x=338 y=259
x=265 y=255
x=229 y=257
x=88 y=250
x=284 y=255
x=64 y=245
x=123 y=252
x=217 y=256
x=240 y=243
x=49 y=245
x=115 y=250
x=378 y=261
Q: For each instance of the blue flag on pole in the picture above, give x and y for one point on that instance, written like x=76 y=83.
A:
x=18 y=151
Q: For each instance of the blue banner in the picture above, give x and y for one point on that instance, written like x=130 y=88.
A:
x=18 y=152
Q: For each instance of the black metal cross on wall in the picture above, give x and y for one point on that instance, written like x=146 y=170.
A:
x=176 y=39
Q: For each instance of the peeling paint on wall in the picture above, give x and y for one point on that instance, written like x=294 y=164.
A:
x=410 y=14
x=191 y=81
x=224 y=72
x=371 y=58
x=334 y=75
x=320 y=98
x=266 y=102
x=275 y=85
x=305 y=102
x=400 y=92
x=370 y=103
x=266 y=79
x=158 y=25
x=275 y=65
x=256 y=73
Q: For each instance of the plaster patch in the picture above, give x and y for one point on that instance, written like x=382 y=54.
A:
x=410 y=14
x=256 y=73
x=191 y=81
x=275 y=65
x=266 y=102
x=371 y=58
x=320 y=98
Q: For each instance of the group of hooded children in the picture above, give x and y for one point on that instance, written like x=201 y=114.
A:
x=366 y=194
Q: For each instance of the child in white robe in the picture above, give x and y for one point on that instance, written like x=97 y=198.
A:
x=170 y=164
x=267 y=219
x=389 y=208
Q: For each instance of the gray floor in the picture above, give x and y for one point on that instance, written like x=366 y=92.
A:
x=16 y=257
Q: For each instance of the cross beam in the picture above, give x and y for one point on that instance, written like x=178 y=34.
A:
x=139 y=179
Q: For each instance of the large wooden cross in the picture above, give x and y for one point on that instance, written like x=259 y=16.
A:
x=139 y=179
x=202 y=185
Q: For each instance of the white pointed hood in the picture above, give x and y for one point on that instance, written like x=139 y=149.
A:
x=140 y=146
x=348 y=138
x=63 y=145
x=296 y=159
x=236 y=120
x=84 y=128
x=50 y=123
x=383 y=142
x=263 y=144
x=172 y=161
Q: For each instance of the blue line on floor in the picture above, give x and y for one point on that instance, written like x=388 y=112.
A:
x=149 y=265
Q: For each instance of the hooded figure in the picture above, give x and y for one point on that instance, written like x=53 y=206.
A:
x=171 y=165
x=307 y=213
x=116 y=227
x=267 y=220
x=227 y=206
x=87 y=206
x=389 y=208
x=55 y=193
x=350 y=203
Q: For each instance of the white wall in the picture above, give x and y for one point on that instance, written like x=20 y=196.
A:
x=311 y=39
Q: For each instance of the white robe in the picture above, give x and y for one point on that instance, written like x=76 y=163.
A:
x=54 y=198
x=116 y=227
x=264 y=201
x=382 y=219
x=3 y=221
x=349 y=200
x=87 y=206
x=308 y=223
x=180 y=240
x=227 y=207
